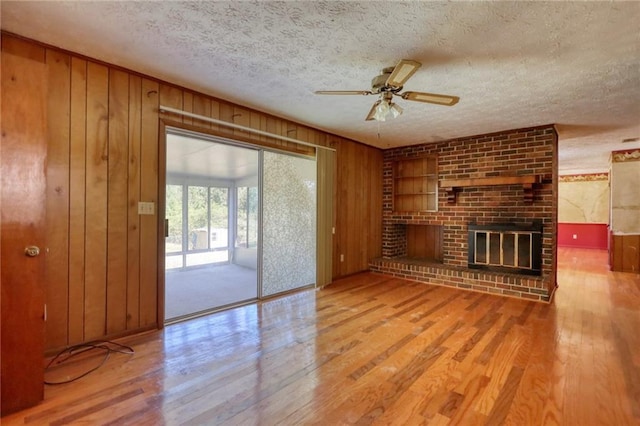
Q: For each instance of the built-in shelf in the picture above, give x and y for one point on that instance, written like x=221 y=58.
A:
x=453 y=186
x=415 y=184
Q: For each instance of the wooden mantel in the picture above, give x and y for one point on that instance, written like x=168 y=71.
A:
x=452 y=186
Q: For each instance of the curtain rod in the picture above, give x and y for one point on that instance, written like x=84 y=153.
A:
x=239 y=127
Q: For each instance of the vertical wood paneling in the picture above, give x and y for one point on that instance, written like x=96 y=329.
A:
x=617 y=250
x=171 y=96
x=274 y=126
x=95 y=301
x=117 y=215
x=375 y=209
x=437 y=236
x=358 y=207
x=319 y=138
x=346 y=232
x=241 y=117
x=187 y=105
x=340 y=196
x=302 y=133
x=202 y=106
x=215 y=113
x=103 y=160
x=57 y=257
x=149 y=192
x=225 y=111
x=256 y=122
x=290 y=131
x=133 y=225
x=625 y=253
x=631 y=253
x=364 y=198
x=351 y=248
x=326 y=178
x=77 y=218
x=424 y=241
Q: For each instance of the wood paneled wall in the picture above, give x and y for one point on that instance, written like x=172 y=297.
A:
x=625 y=253
x=358 y=236
x=102 y=257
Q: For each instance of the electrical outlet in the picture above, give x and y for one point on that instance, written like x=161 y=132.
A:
x=342 y=258
x=575 y=236
x=146 y=208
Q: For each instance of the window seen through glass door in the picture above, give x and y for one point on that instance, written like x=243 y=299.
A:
x=198 y=225
x=247 y=217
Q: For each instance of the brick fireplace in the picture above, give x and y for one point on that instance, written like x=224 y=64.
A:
x=487 y=180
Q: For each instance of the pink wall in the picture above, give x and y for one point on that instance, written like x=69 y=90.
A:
x=588 y=235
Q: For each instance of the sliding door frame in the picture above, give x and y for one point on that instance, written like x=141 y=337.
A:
x=167 y=126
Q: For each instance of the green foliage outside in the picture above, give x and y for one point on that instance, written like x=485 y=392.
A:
x=247 y=230
x=247 y=211
x=197 y=211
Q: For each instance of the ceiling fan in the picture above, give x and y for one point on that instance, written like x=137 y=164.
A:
x=390 y=83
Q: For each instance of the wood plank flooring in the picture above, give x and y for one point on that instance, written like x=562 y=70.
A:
x=377 y=350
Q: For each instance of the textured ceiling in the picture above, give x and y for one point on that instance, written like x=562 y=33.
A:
x=513 y=64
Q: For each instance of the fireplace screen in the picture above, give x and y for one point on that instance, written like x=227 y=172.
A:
x=506 y=247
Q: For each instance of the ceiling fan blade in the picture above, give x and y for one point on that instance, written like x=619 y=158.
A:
x=430 y=98
x=372 y=113
x=342 y=92
x=401 y=73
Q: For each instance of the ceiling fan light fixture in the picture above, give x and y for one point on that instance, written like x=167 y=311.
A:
x=395 y=110
x=372 y=111
x=382 y=110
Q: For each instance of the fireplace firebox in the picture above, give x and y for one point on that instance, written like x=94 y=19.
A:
x=506 y=247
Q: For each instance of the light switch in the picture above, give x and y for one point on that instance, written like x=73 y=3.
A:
x=146 y=208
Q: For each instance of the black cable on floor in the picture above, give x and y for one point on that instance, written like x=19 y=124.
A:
x=106 y=346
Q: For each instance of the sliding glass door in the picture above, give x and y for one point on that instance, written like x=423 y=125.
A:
x=240 y=224
x=288 y=223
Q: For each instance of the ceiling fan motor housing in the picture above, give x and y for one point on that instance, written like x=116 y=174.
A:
x=379 y=83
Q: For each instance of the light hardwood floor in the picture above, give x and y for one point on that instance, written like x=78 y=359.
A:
x=376 y=350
